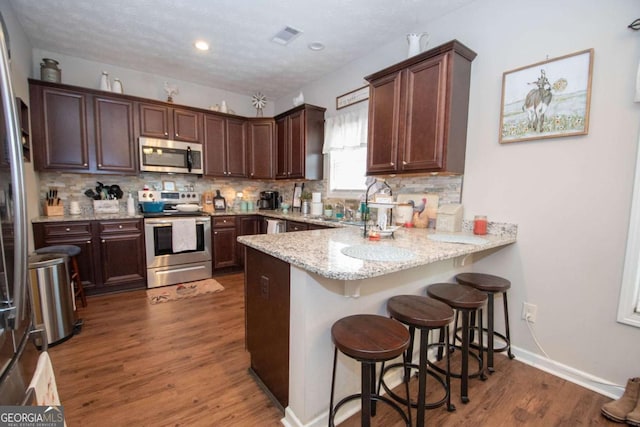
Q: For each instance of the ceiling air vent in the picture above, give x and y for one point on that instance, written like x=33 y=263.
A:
x=286 y=35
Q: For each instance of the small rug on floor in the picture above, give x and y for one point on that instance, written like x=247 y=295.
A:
x=183 y=290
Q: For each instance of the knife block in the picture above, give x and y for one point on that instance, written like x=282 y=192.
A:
x=53 y=210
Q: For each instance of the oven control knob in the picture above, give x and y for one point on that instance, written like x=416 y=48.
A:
x=182 y=195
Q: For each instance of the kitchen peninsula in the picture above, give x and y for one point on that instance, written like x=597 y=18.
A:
x=298 y=284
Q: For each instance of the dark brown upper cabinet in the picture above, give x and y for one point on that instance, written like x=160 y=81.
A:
x=418 y=113
x=225 y=146
x=161 y=121
x=81 y=131
x=261 y=137
x=300 y=136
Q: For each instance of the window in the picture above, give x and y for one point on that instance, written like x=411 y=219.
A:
x=345 y=144
x=629 y=306
x=347 y=169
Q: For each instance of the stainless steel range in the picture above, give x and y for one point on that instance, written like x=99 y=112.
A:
x=166 y=266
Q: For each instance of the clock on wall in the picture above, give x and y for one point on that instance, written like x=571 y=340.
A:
x=259 y=101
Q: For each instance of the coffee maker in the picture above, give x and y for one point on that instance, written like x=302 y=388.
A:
x=269 y=200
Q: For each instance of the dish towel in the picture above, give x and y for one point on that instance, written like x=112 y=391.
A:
x=183 y=235
x=273 y=226
x=44 y=384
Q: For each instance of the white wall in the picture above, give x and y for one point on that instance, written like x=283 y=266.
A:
x=20 y=68
x=570 y=196
x=85 y=73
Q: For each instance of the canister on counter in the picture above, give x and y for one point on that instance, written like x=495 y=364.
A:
x=480 y=225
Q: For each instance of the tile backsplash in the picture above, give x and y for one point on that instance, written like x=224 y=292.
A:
x=72 y=186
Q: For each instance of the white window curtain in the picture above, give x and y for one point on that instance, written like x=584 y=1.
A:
x=347 y=130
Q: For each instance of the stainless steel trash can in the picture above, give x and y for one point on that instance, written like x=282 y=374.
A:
x=52 y=296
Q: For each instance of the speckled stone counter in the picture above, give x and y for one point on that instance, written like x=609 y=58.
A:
x=324 y=285
x=319 y=251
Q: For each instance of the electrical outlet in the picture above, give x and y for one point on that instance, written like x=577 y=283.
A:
x=529 y=311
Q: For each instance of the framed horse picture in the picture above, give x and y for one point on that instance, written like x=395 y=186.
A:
x=549 y=99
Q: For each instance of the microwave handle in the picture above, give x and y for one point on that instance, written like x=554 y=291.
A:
x=189 y=159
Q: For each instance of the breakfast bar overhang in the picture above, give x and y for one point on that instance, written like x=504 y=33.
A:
x=298 y=284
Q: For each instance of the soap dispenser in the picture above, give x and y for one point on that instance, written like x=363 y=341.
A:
x=131 y=209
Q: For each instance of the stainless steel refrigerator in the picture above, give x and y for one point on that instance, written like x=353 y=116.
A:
x=18 y=353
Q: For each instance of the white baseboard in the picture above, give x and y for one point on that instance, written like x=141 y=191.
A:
x=568 y=373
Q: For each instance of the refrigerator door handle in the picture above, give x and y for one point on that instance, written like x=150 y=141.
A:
x=39 y=337
x=8 y=317
x=17 y=185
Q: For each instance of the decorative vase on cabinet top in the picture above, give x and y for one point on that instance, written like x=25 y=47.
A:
x=117 y=86
x=105 y=84
x=416 y=43
x=49 y=71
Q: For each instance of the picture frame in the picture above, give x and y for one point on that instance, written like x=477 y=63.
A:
x=548 y=99
x=219 y=204
x=355 y=96
x=168 y=186
x=297 y=192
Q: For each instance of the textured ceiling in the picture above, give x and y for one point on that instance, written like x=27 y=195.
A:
x=157 y=35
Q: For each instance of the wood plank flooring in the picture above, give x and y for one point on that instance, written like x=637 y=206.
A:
x=183 y=363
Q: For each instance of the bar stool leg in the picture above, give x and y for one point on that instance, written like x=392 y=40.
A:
x=506 y=324
x=450 y=406
x=366 y=394
x=422 y=381
x=464 y=380
x=483 y=376
x=333 y=385
x=490 y=316
x=78 y=281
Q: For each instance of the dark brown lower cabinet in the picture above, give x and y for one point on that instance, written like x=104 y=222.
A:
x=246 y=226
x=267 y=321
x=111 y=255
x=224 y=242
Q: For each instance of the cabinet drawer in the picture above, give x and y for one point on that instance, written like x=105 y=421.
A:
x=120 y=227
x=67 y=229
x=296 y=226
x=224 y=221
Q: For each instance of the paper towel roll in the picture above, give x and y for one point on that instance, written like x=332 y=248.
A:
x=316 y=208
x=316 y=197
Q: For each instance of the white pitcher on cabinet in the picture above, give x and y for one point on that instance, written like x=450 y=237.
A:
x=416 y=43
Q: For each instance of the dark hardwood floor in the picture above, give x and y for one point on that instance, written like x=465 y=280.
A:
x=183 y=363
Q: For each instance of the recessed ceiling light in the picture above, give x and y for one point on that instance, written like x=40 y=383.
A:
x=316 y=46
x=201 y=45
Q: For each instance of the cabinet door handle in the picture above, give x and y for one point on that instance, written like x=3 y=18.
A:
x=120 y=226
x=103 y=241
x=84 y=164
x=88 y=242
x=215 y=232
x=67 y=229
x=404 y=162
x=166 y=134
x=99 y=165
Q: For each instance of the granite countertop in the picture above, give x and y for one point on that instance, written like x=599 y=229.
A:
x=319 y=251
x=90 y=216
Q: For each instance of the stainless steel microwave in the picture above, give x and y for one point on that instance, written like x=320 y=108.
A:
x=164 y=155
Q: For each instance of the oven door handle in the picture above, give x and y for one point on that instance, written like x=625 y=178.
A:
x=168 y=222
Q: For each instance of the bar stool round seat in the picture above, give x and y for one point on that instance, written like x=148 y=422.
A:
x=72 y=252
x=425 y=314
x=491 y=285
x=466 y=300
x=368 y=339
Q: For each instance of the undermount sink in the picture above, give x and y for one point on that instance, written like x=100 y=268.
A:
x=341 y=221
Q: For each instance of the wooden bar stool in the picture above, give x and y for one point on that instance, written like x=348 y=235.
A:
x=466 y=300
x=368 y=339
x=72 y=252
x=426 y=314
x=491 y=285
